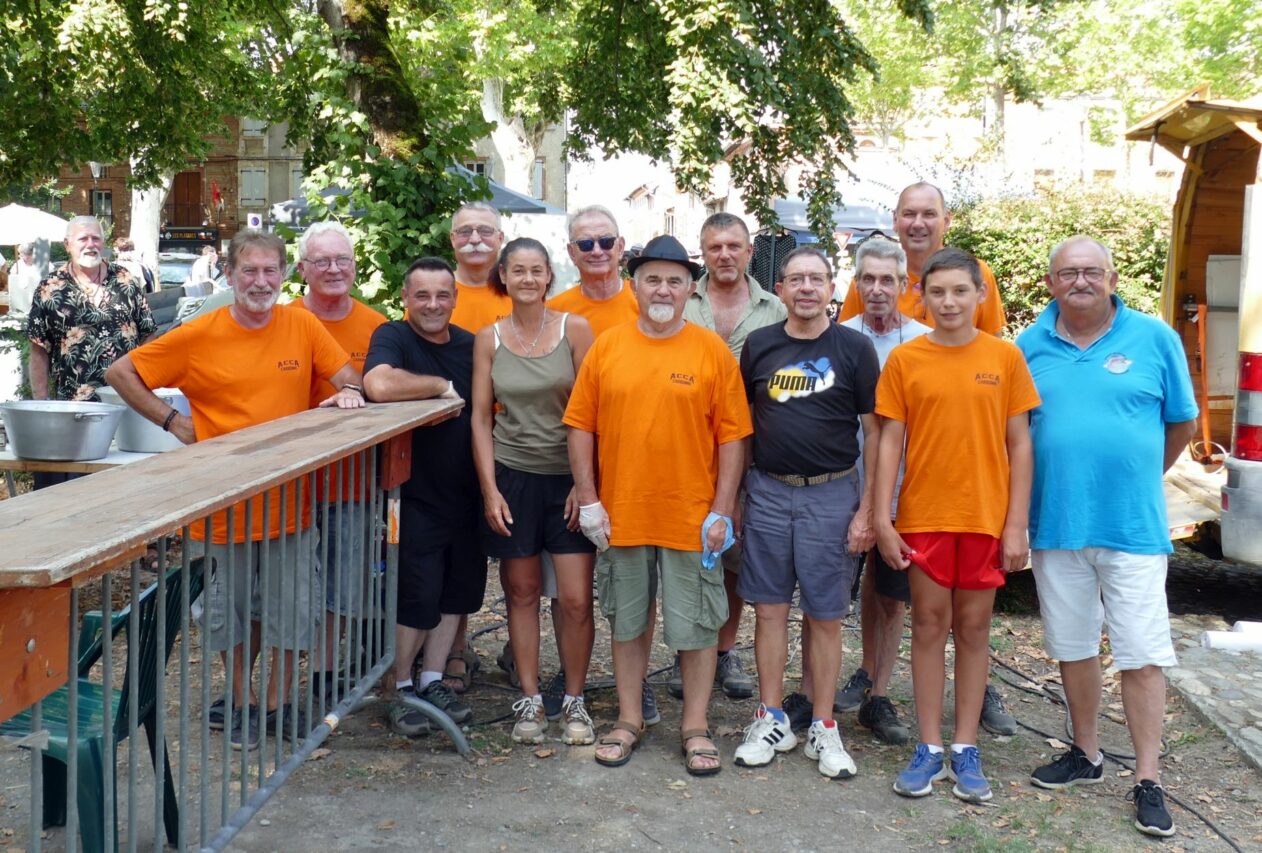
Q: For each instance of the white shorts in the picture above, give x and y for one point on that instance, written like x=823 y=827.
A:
x=1080 y=590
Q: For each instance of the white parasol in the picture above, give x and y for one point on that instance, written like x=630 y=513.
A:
x=19 y=224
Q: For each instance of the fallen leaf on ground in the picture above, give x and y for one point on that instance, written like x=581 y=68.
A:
x=754 y=811
x=317 y=754
x=545 y=753
x=1054 y=743
x=1123 y=773
x=1205 y=798
x=386 y=824
x=1000 y=822
x=499 y=759
x=677 y=785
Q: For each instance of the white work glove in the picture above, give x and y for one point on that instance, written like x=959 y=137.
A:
x=594 y=522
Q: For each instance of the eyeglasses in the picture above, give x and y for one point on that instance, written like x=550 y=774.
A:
x=468 y=231
x=343 y=262
x=799 y=279
x=1093 y=275
x=587 y=243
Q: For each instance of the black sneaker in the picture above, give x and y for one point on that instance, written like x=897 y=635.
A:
x=215 y=717
x=648 y=705
x=280 y=722
x=879 y=714
x=1151 y=815
x=444 y=699
x=675 y=680
x=799 y=710
x=244 y=731
x=553 y=696
x=730 y=675
x=995 y=717
x=1067 y=769
x=851 y=696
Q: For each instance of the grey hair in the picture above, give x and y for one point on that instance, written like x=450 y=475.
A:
x=26 y=248
x=478 y=205
x=881 y=249
x=84 y=222
x=331 y=226
x=1079 y=238
x=589 y=211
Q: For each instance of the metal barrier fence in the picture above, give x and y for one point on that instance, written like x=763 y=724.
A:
x=98 y=642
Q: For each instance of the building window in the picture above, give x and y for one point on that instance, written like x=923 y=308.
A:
x=102 y=204
x=295 y=183
x=253 y=127
x=668 y=226
x=478 y=167
x=253 y=190
x=715 y=205
x=537 y=182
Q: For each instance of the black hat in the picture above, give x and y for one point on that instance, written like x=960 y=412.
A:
x=665 y=248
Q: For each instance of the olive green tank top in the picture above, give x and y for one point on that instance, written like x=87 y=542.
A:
x=532 y=394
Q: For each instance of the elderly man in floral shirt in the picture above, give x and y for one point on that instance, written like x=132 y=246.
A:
x=84 y=317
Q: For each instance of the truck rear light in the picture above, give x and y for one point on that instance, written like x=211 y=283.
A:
x=1248 y=443
x=1250 y=371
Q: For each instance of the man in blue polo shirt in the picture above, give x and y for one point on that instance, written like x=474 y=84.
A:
x=1117 y=411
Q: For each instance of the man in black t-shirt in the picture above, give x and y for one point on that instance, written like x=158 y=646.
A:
x=442 y=570
x=812 y=385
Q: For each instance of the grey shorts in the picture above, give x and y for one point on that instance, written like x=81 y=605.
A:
x=694 y=602
x=796 y=536
x=278 y=599
x=346 y=567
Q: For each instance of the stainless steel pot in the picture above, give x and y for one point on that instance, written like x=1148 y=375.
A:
x=60 y=430
x=138 y=434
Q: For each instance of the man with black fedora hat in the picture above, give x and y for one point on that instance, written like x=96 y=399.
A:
x=658 y=418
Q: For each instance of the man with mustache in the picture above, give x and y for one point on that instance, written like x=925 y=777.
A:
x=263 y=362
x=658 y=418
x=83 y=317
x=476 y=239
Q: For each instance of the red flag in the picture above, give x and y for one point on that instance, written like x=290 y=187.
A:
x=215 y=197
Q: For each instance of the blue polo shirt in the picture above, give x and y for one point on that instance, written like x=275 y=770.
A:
x=1099 y=435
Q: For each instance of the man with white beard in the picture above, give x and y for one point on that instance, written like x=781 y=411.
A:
x=264 y=364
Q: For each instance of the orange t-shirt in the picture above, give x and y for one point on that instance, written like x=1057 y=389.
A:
x=660 y=408
x=235 y=378
x=988 y=317
x=601 y=314
x=956 y=402
x=352 y=333
x=478 y=307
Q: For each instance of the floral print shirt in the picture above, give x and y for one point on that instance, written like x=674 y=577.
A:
x=83 y=339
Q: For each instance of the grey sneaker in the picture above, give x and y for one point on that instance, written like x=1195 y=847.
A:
x=879 y=714
x=732 y=678
x=554 y=696
x=531 y=723
x=850 y=697
x=444 y=699
x=215 y=717
x=995 y=717
x=505 y=662
x=675 y=680
x=244 y=731
x=578 y=729
x=648 y=705
x=407 y=721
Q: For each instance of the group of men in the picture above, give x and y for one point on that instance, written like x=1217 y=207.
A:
x=687 y=366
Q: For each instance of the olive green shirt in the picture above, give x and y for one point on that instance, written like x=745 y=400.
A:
x=763 y=309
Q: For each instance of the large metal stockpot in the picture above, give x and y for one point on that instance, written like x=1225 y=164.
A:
x=60 y=430
x=138 y=434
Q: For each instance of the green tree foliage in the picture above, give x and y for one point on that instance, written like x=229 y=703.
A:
x=1016 y=235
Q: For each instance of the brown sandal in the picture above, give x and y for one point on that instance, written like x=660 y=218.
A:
x=625 y=748
x=698 y=752
x=459 y=682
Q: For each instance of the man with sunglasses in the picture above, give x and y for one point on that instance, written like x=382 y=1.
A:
x=602 y=296
x=1117 y=410
x=731 y=302
x=476 y=239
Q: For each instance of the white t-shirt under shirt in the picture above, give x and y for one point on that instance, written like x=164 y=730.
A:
x=909 y=331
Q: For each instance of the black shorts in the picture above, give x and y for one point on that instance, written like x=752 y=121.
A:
x=537 y=504
x=888 y=582
x=441 y=567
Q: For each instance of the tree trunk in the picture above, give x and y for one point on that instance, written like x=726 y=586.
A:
x=515 y=147
x=146 y=218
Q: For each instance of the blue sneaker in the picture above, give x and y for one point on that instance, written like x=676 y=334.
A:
x=925 y=769
x=966 y=769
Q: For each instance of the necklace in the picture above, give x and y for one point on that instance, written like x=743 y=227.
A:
x=531 y=348
x=1090 y=336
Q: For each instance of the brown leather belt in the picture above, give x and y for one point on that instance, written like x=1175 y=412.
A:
x=803 y=480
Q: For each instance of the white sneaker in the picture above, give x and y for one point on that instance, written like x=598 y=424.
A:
x=824 y=744
x=531 y=722
x=763 y=739
x=578 y=723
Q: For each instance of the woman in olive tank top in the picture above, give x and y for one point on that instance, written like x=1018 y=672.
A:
x=524 y=368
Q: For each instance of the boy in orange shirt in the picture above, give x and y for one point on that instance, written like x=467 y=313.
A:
x=959 y=400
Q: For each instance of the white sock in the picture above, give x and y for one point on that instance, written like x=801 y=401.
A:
x=1099 y=759
x=933 y=750
x=537 y=698
x=428 y=678
x=403 y=685
x=957 y=748
x=567 y=700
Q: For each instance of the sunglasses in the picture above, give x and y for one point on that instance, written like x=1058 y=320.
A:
x=587 y=244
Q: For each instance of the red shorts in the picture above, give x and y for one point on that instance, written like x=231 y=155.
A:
x=957 y=560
